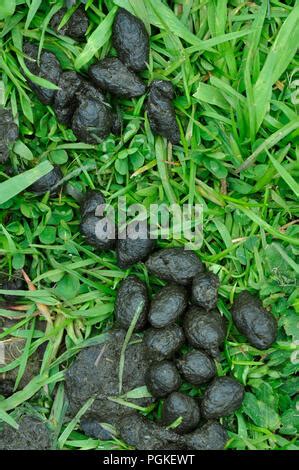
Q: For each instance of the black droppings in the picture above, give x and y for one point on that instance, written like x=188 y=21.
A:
x=48 y=182
x=92 y=428
x=9 y=133
x=175 y=264
x=163 y=343
x=161 y=112
x=204 y=330
x=48 y=68
x=92 y=120
x=196 y=367
x=130 y=40
x=210 y=436
x=91 y=203
x=144 y=434
x=177 y=405
x=112 y=75
x=205 y=290
x=65 y=101
x=75 y=27
x=33 y=434
x=131 y=297
x=95 y=373
x=162 y=378
x=117 y=124
x=133 y=247
x=98 y=231
x=254 y=321
x=222 y=397
x=168 y=305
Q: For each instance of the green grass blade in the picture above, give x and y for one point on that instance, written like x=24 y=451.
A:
x=281 y=54
x=285 y=175
x=19 y=183
x=96 y=40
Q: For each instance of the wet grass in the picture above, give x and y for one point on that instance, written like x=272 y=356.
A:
x=234 y=68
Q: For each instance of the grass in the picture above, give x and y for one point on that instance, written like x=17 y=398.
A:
x=234 y=67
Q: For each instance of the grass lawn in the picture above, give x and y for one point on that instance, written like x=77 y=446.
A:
x=235 y=71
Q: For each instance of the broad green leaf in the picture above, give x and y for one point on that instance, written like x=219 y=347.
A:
x=260 y=413
x=22 y=150
x=210 y=94
x=7 y=8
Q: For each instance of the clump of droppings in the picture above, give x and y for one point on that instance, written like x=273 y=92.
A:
x=131 y=40
x=131 y=297
x=222 y=397
x=9 y=133
x=48 y=68
x=168 y=305
x=75 y=27
x=33 y=434
x=163 y=343
x=133 y=247
x=112 y=75
x=144 y=434
x=162 y=378
x=49 y=182
x=65 y=101
x=210 y=436
x=95 y=373
x=204 y=330
x=177 y=405
x=196 y=367
x=91 y=203
x=175 y=264
x=160 y=111
x=205 y=290
x=254 y=321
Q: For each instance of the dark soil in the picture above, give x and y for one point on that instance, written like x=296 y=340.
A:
x=95 y=372
x=33 y=434
x=144 y=434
